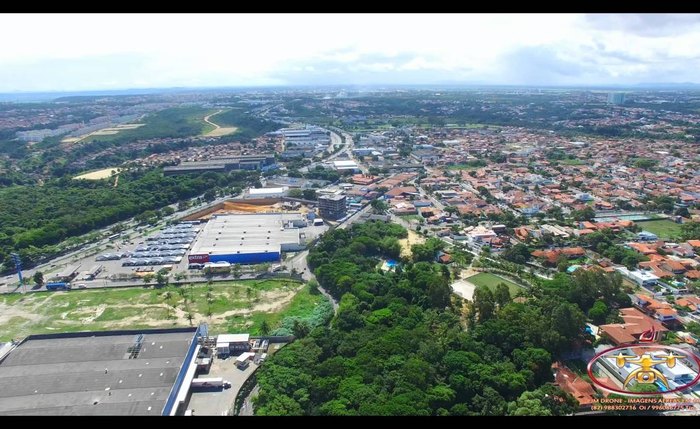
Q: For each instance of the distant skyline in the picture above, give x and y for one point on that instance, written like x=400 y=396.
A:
x=86 y=52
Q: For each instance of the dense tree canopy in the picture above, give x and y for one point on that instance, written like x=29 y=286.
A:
x=33 y=218
x=397 y=346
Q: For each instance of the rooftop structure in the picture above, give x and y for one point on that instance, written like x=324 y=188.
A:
x=248 y=238
x=220 y=164
x=332 y=206
x=345 y=165
x=642 y=278
x=98 y=373
x=267 y=192
x=635 y=324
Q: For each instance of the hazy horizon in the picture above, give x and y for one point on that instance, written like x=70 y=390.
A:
x=91 y=52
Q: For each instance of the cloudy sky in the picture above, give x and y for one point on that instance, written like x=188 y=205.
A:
x=114 y=51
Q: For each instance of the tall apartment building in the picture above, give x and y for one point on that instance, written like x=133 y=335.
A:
x=332 y=206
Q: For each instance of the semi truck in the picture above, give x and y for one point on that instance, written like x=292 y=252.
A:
x=58 y=286
x=208 y=383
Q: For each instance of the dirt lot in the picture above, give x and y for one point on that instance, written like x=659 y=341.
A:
x=221 y=131
x=412 y=239
x=99 y=174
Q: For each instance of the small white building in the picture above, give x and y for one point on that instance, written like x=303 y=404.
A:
x=642 y=278
x=477 y=234
x=228 y=344
x=345 y=165
x=267 y=192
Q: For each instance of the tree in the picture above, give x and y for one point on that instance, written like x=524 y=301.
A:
x=264 y=328
x=502 y=295
x=519 y=254
x=236 y=270
x=484 y=192
x=148 y=278
x=209 y=195
x=161 y=279
x=300 y=328
x=379 y=206
x=585 y=214
x=484 y=302
x=690 y=231
x=295 y=193
x=310 y=194
x=598 y=312
x=562 y=263
x=664 y=203
x=313 y=287
x=38 y=278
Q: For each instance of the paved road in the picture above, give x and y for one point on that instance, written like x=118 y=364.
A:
x=247 y=408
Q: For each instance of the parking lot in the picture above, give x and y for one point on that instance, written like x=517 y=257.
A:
x=217 y=403
x=165 y=248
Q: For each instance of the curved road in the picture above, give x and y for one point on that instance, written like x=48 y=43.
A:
x=206 y=119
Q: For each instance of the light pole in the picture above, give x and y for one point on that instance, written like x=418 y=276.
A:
x=18 y=265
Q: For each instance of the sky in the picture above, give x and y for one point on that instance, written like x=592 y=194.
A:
x=74 y=52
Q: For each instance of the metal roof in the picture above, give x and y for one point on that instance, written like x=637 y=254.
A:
x=92 y=373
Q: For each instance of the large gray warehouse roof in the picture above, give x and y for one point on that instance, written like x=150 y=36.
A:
x=246 y=233
x=92 y=373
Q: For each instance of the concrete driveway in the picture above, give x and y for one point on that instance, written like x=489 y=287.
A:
x=219 y=402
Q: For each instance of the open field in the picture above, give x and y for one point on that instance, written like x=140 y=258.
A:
x=463 y=167
x=491 y=281
x=412 y=217
x=169 y=123
x=221 y=131
x=103 y=132
x=663 y=228
x=412 y=239
x=571 y=162
x=226 y=306
x=217 y=131
x=99 y=174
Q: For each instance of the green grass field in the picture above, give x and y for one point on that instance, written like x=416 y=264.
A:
x=463 y=167
x=175 y=122
x=491 y=281
x=571 y=162
x=236 y=306
x=663 y=228
x=411 y=217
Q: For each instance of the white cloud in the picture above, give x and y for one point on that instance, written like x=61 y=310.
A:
x=129 y=50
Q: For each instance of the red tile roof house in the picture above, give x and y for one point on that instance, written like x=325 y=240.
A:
x=692 y=302
x=571 y=383
x=401 y=191
x=636 y=322
x=551 y=256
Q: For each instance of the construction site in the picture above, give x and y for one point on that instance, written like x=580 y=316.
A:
x=253 y=206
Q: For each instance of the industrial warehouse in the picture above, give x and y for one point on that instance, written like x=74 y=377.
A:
x=249 y=238
x=145 y=372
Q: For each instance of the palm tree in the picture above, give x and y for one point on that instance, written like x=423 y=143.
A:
x=264 y=328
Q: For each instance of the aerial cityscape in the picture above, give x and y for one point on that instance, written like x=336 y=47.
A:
x=500 y=217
